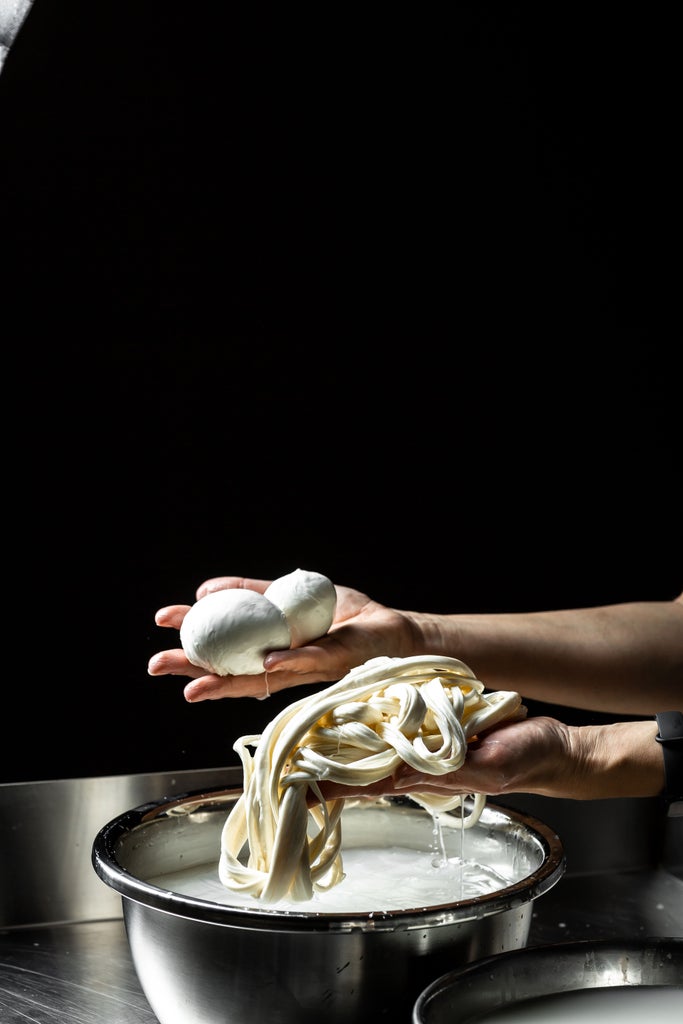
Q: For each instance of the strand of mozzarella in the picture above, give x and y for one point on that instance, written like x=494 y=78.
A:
x=419 y=710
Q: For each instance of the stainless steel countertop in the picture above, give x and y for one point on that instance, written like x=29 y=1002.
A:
x=81 y=971
x=70 y=974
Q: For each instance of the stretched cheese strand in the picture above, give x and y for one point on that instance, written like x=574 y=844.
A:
x=419 y=710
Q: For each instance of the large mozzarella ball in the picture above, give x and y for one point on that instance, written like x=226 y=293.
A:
x=230 y=632
x=308 y=600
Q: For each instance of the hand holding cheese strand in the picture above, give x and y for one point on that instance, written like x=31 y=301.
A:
x=622 y=659
x=420 y=711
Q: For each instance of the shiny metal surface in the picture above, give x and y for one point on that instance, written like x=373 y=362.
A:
x=12 y=16
x=624 y=881
x=76 y=963
x=70 y=974
x=202 y=962
x=495 y=983
x=46 y=834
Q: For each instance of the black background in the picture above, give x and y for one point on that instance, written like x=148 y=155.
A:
x=382 y=294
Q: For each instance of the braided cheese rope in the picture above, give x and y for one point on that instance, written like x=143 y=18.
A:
x=420 y=710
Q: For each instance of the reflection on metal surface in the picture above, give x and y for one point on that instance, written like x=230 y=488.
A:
x=203 y=960
x=624 y=880
x=516 y=980
x=12 y=15
x=46 y=835
x=78 y=972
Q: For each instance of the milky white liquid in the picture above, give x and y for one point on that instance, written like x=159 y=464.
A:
x=393 y=859
x=388 y=878
x=629 y=1004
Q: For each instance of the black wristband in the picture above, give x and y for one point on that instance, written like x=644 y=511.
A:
x=670 y=737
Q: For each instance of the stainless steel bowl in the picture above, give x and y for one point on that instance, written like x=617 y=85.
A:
x=202 y=961
x=525 y=979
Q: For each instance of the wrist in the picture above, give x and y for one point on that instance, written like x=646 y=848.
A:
x=625 y=759
x=426 y=635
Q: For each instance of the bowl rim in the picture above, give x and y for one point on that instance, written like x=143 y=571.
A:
x=540 y=963
x=113 y=874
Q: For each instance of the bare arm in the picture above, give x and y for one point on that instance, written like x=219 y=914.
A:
x=624 y=658
x=544 y=756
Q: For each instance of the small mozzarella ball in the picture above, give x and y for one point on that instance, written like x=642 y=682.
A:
x=308 y=600
x=230 y=632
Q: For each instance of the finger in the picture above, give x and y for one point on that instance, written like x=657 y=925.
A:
x=450 y=784
x=336 y=790
x=172 y=615
x=212 y=687
x=231 y=583
x=206 y=688
x=312 y=663
x=172 y=663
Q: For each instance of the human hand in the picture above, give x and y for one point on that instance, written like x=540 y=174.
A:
x=362 y=629
x=542 y=756
x=518 y=755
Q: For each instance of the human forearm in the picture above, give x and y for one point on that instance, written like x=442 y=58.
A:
x=626 y=658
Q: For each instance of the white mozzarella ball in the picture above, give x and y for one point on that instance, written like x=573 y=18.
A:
x=230 y=632
x=308 y=600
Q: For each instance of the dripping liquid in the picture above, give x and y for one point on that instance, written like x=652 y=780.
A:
x=440 y=859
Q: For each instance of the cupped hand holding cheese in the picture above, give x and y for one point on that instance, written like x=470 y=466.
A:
x=229 y=632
